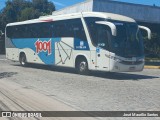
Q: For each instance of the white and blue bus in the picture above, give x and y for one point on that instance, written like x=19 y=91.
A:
x=85 y=41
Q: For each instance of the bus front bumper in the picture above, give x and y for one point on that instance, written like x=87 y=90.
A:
x=120 y=67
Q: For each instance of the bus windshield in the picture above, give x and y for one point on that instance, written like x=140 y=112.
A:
x=128 y=42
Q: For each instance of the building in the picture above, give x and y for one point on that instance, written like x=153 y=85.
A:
x=141 y=13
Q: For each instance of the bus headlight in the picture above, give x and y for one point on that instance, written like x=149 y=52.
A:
x=142 y=60
x=118 y=60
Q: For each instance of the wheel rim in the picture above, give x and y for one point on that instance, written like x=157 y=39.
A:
x=82 y=66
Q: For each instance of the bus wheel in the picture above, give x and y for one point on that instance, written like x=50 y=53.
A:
x=23 y=60
x=82 y=67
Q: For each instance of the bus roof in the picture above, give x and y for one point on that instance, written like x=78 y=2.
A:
x=50 y=18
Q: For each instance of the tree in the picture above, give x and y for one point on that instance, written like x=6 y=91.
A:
x=20 y=10
x=152 y=47
x=43 y=6
x=29 y=13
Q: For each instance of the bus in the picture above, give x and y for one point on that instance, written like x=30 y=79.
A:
x=86 y=41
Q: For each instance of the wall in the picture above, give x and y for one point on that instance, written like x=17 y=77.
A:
x=140 y=13
x=80 y=7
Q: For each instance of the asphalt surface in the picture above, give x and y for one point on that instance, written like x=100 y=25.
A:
x=138 y=91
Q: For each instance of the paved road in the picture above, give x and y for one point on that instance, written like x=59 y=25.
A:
x=139 y=91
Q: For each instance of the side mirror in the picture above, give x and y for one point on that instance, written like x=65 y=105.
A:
x=1 y=33
x=111 y=25
x=147 y=29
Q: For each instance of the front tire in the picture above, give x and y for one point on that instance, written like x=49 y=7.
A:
x=23 y=60
x=82 y=67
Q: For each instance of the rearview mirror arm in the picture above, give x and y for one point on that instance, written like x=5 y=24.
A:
x=147 y=29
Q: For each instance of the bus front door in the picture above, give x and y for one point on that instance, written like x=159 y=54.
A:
x=102 y=52
x=102 y=61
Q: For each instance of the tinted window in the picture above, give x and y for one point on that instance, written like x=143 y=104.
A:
x=9 y=32
x=69 y=28
x=64 y=28
x=92 y=27
x=99 y=33
x=103 y=36
x=37 y=30
x=128 y=42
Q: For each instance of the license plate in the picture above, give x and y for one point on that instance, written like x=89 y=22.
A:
x=132 y=68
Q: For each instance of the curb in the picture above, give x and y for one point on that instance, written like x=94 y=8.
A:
x=152 y=67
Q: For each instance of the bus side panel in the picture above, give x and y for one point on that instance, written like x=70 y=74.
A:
x=93 y=60
x=32 y=56
x=37 y=50
x=86 y=54
x=12 y=54
x=81 y=48
x=64 y=52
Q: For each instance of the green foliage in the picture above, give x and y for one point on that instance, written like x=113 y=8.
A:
x=29 y=13
x=20 y=10
x=152 y=47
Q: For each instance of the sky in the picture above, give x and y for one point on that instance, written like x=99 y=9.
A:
x=64 y=3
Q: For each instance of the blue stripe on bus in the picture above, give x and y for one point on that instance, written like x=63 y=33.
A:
x=47 y=59
x=30 y=43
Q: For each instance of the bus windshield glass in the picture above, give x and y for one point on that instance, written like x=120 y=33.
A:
x=128 y=41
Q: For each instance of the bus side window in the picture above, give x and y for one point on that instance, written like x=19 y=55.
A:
x=9 y=32
x=44 y=30
x=15 y=32
x=93 y=32
x=68 y=28
x=52 y=30
x=57 y=29
x=78 y=29
x=102 y=36
x=34 y=32
x=22 y=33
x=29 y=31
x=92 y=28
